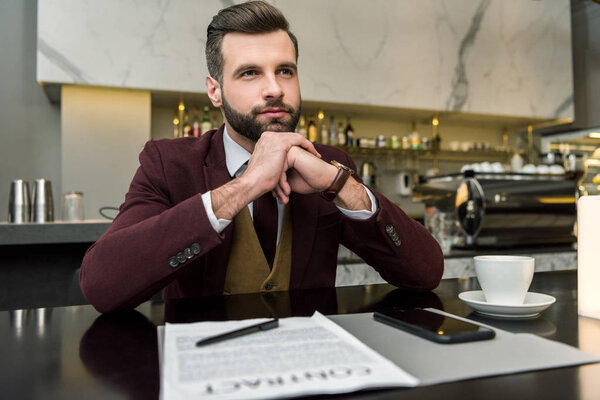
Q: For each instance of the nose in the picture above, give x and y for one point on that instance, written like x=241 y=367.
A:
x=272 y=88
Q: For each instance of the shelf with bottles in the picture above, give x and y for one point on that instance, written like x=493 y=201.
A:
x=193 y=120
x=395 y=139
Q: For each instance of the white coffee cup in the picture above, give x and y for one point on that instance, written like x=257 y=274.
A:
x=504 y=279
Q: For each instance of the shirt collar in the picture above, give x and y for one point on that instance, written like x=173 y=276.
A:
x=235 y=155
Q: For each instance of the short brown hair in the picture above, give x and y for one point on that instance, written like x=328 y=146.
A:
x=249 y=17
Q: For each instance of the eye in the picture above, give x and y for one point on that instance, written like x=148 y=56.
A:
x=286 y=71
x=248 y=73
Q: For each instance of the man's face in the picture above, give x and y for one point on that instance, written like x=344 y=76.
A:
x=260 y=89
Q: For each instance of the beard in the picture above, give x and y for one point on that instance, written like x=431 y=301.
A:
x=249 y=126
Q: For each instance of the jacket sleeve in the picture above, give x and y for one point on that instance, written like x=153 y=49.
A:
x=133 y=259
x=397 y=246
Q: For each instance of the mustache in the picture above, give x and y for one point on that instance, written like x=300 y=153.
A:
x=273 y=104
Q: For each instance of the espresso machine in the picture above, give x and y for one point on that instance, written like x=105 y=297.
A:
x=503 y=209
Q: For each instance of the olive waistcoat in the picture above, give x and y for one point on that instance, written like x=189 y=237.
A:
x=248 y=270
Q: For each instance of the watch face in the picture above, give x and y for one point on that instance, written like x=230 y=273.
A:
x=342 y=166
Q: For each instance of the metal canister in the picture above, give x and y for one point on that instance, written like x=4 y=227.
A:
x=43 y=203
x=19 y=206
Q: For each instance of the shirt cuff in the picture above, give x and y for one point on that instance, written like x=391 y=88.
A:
x=218 y=224
x=362 y=214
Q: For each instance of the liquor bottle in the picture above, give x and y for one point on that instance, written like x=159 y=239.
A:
x=312 y=131
x=341 y=134
x=187 y=129
x=349 y=134
x=301 y=128
x=333 y=133
x=180 y=118
x=175 y=125
x=415 y=138
x=324 y=134
x=206 y=124
x=436 y=139
x=195 y=123
x=367 y=174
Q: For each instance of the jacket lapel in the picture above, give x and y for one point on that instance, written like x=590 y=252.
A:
x=214 y=167
x=215 y=175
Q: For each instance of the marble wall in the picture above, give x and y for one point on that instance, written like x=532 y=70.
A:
x=500 y=57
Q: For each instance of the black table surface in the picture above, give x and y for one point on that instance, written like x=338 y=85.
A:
x=75 y=352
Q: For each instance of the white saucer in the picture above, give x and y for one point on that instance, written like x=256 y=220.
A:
x=534 y=304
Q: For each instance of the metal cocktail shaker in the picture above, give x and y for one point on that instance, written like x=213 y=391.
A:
x=19 y=206
x=43 y=204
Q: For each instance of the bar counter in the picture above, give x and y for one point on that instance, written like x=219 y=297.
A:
x=45 y=275
x=74 y=352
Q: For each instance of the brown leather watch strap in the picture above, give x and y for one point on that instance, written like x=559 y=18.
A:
x=338 y=182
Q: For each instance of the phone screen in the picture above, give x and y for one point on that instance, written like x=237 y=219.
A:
x=434 y=326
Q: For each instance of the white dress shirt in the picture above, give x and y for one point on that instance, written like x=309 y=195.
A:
x=236 y=158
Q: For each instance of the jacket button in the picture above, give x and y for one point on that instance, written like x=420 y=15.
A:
x=188 y=253
x=269 y=286
x=181 y=258
x=196 y=248
x=393 y=235
x=173 y=262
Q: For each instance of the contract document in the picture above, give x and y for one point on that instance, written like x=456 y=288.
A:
x=303 y=356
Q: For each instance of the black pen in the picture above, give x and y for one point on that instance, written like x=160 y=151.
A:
x=263 y=326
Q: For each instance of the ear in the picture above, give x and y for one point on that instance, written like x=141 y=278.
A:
x=213 y=89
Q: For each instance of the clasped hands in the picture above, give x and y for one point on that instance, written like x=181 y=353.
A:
x=284 y=162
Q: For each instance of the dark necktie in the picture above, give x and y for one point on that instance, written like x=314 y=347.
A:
x=265 y=223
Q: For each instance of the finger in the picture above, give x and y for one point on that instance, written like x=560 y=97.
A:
x=297 y=140
x=284 y=185
x=292 y=139
x=310 y=147
x=278 y=193
x=280 y=190
x=287 y=189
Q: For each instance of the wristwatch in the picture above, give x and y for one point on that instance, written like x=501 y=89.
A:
x=338 y=182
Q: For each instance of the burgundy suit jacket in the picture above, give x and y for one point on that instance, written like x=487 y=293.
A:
x=163 y=214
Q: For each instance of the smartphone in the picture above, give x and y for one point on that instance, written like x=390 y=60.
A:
x=433 y=326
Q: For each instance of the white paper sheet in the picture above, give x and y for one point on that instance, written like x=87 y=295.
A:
x=302 y=356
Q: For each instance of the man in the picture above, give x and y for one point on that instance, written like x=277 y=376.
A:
x=200 y=216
